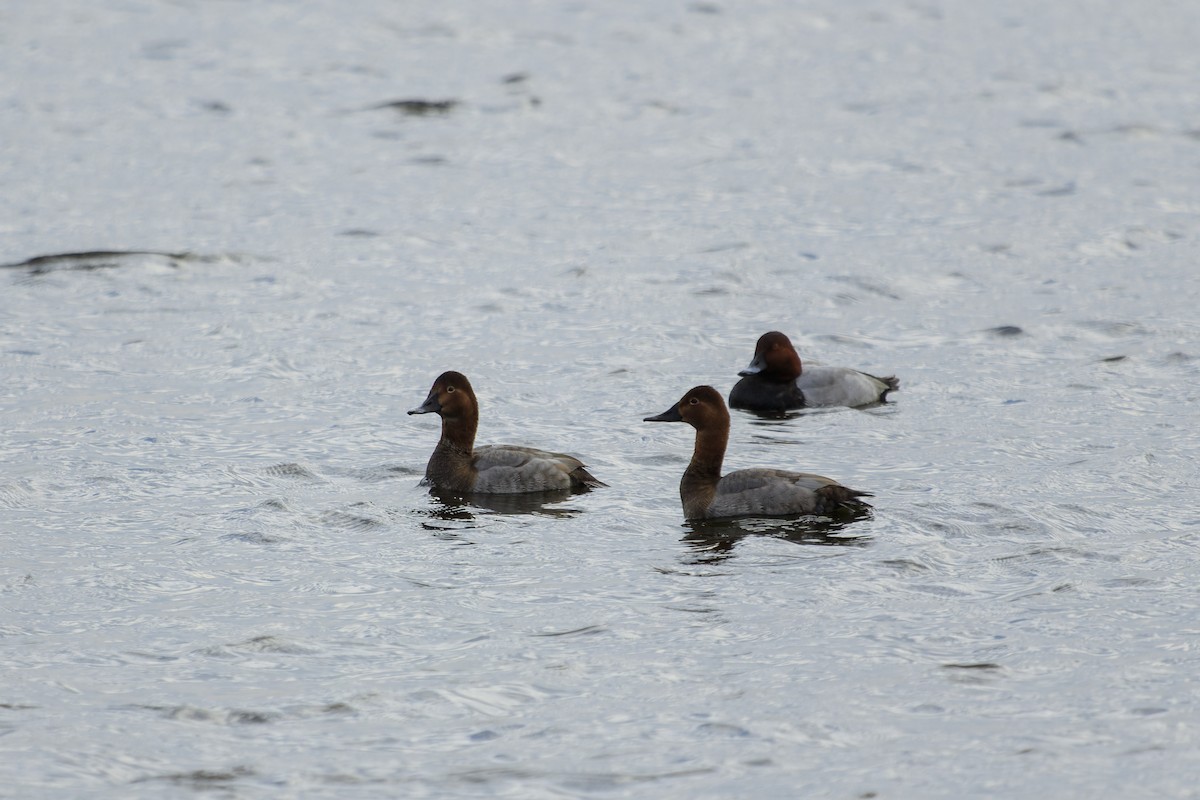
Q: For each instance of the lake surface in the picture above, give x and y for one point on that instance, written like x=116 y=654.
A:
x=221 y=577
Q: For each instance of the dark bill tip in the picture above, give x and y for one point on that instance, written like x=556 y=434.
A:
x=430 y=406
x=670 y=415
x=753 y=369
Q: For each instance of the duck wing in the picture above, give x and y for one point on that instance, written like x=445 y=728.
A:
x=509 y=469
x=842 y=386
x=776 y=492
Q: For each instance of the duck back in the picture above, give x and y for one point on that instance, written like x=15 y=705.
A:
x=775 y=492
x=842 y=386
x=509 y=469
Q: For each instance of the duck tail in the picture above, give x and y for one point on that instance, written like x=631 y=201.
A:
x=890 y=384
x=582 y=478
x=843 y=498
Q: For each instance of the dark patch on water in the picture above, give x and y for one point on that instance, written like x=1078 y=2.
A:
x=722 y=247
x=240 y=717
x=258 y=644
x=271 y=644
x=1006 y=331
x=973 y=673
x=384 y=472
x=88 y=260
x=254 y=537
x=1114 y=329
x=415 y=107
x=905 y=565
x=1066 y=190
x=290 y=470
x=862 y=108
x=872 y=287
x=216 y=107
x=722 y=729
x=483 y=736
x=608 y=782
x=188 y=713
x=201 y=778
x=1136 y=130
x=587 y=630
x=984 y=665
x=349 y=521
x=163 y=49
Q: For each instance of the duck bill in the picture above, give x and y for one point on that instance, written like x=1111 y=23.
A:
x=756 y=366
x=670 y=415
x=430 y=406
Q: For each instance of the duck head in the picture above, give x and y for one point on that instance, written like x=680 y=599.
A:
x=451 y=396
x=702 y=407
x=774 y=358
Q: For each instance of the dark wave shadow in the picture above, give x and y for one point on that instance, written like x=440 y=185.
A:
x=90 y=260
x=713 y=541
x=418 y=107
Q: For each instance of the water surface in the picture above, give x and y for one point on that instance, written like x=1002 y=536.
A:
x=222 y=579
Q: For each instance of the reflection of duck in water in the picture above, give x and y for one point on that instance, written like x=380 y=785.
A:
x=714 y=540
x=746 y=492
x=458 y=466
x=775 y=380
x=454 y=506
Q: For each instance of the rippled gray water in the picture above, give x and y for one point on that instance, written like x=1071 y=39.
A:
x=220 y=577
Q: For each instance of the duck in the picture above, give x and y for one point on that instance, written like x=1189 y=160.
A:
x=775 y=380
x=706 y=494
x=458 y=466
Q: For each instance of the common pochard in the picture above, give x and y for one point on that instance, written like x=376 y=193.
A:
x=746 y=492
x=776 y=381
x=458 y=466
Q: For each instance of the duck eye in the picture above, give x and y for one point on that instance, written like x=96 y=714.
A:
x=449 y=390
x=694 y=401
